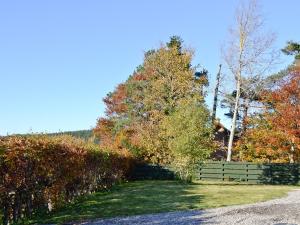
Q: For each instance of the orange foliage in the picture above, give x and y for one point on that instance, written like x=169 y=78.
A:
x=276 y=133
x=36 y=171
x=104 y=131
x=115 y=102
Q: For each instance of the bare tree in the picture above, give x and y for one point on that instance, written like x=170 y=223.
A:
x=248 y=53
x=216 y=93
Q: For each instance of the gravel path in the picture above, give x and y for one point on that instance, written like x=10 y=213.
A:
x=284 y=211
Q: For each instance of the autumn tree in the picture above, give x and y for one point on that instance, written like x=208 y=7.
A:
x=275 y=134
x=137 y=108
x=247 y=54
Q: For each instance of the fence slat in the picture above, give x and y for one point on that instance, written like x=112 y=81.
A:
x=272 y=173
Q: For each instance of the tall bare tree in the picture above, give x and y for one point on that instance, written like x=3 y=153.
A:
x=216 y=93
x=248 y=53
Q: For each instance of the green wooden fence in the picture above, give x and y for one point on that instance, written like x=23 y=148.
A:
x=273 y=173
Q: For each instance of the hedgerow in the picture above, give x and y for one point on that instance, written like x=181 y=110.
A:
x=40 y=172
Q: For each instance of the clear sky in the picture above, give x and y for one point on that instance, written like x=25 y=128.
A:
x=59 y=58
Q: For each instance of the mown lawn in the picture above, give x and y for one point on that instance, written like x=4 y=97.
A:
x=142 y=197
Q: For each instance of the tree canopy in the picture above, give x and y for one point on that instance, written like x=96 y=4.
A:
x=152 y=95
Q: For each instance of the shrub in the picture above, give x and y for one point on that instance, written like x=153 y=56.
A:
x=190 y=137
x=40 y=172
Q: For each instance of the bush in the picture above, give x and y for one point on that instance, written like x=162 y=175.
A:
x=40 y=172
x=190 y=137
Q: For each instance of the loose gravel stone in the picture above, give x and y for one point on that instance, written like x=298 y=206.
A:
x=283 y=211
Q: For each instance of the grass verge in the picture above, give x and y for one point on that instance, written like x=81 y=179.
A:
x=143 y=197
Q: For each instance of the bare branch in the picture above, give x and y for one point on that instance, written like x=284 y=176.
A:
x=249 y=55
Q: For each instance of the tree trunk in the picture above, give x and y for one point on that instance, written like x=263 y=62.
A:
x=235 y=113
x=16 y=207
x=245 y=116
x=6 y=210
x=28 y=205
x=292 y=152
x=213 y=117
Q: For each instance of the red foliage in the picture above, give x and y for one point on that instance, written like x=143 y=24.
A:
x=111 y=136
x=276 y=134
x=115 y=102
x=286 y=102
x=38 y=170
x=138 y=76
x=103 y=130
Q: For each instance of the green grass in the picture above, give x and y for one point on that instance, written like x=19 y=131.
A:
x=142 y=197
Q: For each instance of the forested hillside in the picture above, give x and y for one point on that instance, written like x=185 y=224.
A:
x=83 y=134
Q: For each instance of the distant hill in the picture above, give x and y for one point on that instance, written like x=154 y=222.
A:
x=85 y=134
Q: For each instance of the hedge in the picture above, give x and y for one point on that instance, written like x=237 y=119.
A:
x=144 y=171
x=40 y=172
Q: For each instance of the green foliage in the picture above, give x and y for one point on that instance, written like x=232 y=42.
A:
x=292 y=48
x=143 y=171
x=86 y=135
x=175 y=42
x=189 y=130
x=83 y=134
x=138 y=107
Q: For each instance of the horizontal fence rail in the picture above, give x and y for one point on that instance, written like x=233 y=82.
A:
x=273 y=173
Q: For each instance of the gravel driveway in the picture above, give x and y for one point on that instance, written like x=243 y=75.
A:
x=284 y=211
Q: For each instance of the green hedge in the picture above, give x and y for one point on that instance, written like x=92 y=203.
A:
x=143 y=171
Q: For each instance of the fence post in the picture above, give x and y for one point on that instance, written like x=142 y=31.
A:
x=200 y=178
x=223 y=174
x=247 y=173
x=271 y=173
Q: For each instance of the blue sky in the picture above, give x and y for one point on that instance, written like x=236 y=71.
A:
x=59 y=58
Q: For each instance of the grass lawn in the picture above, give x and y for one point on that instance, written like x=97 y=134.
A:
x=142 y=197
